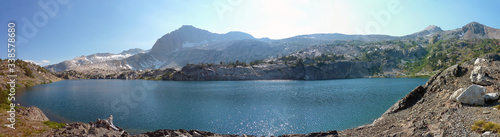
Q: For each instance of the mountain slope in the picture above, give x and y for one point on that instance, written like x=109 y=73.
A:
x=94 y=60
x=427 y=31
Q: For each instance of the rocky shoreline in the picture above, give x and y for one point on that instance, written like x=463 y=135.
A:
x=211 y=72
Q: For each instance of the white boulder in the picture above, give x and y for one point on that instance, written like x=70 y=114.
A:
x=479 y=60
x=455 y=94
x=473 y=95
x=487 y=133
x=491 y=96
x=478 y=76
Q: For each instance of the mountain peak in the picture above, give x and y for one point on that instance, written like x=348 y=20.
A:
x=473 y=23
x=473 y=26
x=133 y=51
x=189 y=28
x=433 y=28
x=186 y=26
x=475 y=30
x=427 y=31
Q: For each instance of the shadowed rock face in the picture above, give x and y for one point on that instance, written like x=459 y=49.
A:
x=408 y=101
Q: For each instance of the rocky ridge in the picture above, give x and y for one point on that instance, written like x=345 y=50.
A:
x=434 y=110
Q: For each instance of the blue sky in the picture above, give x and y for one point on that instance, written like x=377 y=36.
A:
x=85 y=27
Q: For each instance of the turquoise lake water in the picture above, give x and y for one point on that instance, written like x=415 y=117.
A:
x=226 y=107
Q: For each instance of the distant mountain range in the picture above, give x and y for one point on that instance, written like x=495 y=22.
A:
x=97 y=60
x=191 y=45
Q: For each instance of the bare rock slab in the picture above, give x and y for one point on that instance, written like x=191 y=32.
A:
x=473 y=95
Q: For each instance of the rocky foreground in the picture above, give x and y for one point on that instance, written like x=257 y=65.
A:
x=447 y=105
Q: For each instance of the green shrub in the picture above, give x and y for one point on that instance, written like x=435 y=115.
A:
x=482 y=126
x=476 y=128
x=479 y=123
x=3 y=97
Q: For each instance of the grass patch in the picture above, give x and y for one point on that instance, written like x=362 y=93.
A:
x=19 y=107
x=482 y=126
x=54 y=125
x=3 y=98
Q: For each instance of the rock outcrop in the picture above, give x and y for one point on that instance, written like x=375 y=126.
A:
x=33 y=114
x=85 y=130
x=479 y=77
